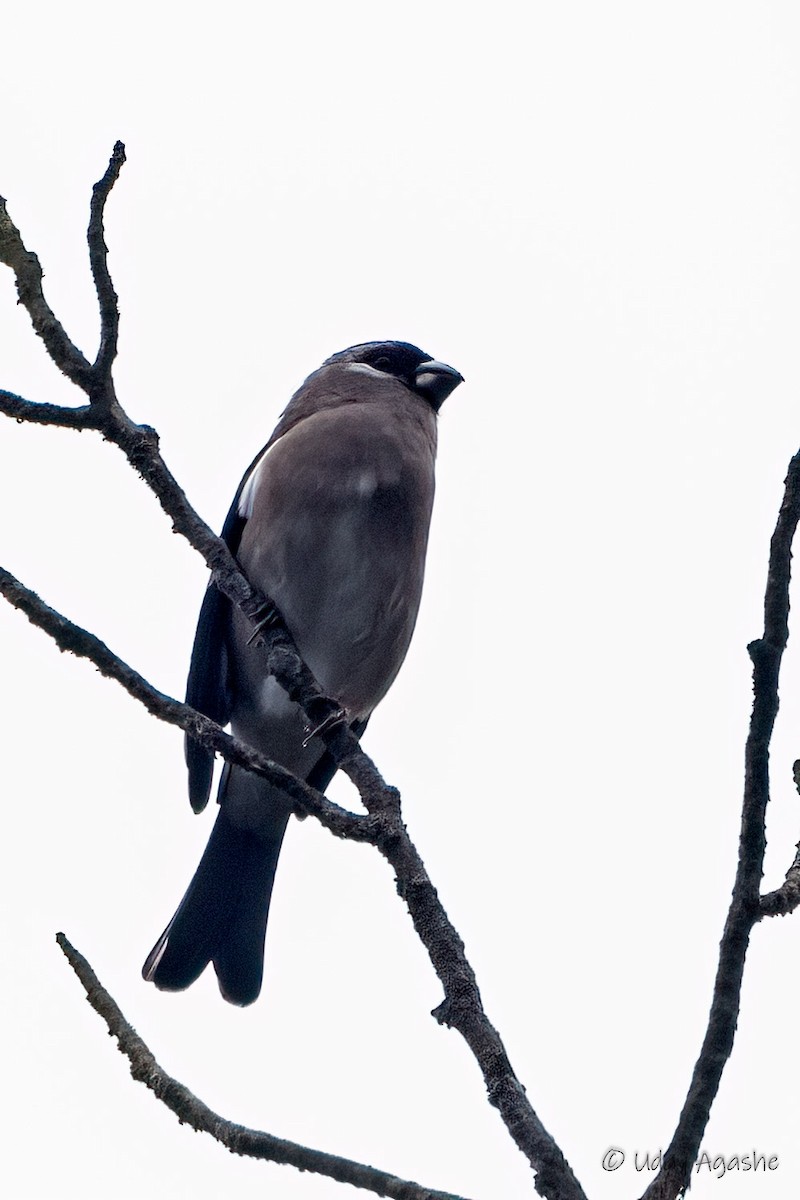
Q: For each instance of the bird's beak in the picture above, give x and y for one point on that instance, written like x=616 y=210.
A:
x=435 y=381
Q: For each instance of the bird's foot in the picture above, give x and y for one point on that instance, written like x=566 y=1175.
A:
x=332 y=719
x=264 y=617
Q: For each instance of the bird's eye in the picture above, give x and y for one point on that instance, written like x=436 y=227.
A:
x=382 y=364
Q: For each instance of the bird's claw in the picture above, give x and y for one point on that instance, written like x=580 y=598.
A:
x=334 y=718
x=264 y=616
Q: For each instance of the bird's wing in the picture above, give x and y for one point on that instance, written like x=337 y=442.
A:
x=207 y=688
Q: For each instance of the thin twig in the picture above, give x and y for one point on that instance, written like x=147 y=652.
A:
x=251 y=1143
x=28 y=272
x=786 y=898
x=12 y=405
x=98 y=257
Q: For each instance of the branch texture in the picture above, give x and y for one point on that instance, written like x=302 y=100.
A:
x=786 y=898
x=20 y=409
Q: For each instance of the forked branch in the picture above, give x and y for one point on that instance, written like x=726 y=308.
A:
x=462 y=1008
x=383 y=827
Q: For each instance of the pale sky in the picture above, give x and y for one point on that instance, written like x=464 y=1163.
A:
x=591 y=210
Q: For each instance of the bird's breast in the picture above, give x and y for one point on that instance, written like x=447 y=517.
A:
x=337 y=536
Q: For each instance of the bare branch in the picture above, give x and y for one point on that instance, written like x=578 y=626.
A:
x=250 y=1143
x=98 y=257
x=786 y=898
x=28 y=272
x=139 y=443
x=21 y=410
x=766 y=654
x=462 y=1008
x=71 y=638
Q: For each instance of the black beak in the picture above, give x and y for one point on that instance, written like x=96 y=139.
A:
x=435 y=381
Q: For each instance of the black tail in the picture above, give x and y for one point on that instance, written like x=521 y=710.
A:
x=223 y=916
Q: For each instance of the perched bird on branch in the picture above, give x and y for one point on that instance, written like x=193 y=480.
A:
x=331 y=523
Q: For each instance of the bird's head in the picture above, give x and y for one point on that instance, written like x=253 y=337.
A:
x=432 y=380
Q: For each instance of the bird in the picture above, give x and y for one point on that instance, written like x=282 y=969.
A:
x=330 y=522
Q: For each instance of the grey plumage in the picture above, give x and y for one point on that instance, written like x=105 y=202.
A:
x=331 y=522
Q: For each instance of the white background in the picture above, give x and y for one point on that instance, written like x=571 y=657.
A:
x=592 y=211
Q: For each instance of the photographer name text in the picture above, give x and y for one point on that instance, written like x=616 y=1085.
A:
x=714 y=1164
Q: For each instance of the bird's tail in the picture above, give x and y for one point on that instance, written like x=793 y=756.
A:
x=223 y=916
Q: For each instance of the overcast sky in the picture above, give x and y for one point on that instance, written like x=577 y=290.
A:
x=591 y=210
